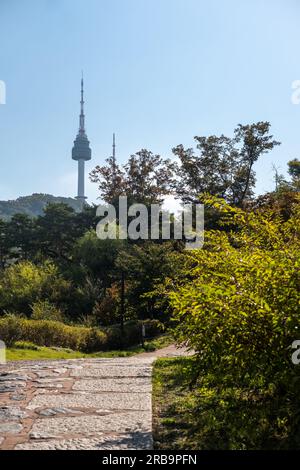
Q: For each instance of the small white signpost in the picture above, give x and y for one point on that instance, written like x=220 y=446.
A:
x=143 y=334
x=2 y=353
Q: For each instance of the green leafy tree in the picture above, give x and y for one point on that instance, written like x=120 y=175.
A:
x=57 y=232
x=85 y=220
x=224 y=166
x=254 y=141
x=4 y=246
x=111 y=181
x=216 y=169
x=283 y=199
x=21 y=236
x=294 y=171
x=146 y=266
x=145 y=178
x=98 y=257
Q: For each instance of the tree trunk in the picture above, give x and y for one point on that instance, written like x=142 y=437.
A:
x=246 y=186
x=122 y=303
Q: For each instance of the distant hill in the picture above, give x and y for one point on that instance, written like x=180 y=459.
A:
x=33 y=205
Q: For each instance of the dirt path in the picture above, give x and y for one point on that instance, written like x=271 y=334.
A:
x=79 y=404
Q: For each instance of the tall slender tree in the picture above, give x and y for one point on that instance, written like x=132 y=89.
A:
x=254 y=141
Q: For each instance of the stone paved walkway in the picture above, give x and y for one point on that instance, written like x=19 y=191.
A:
x=78 y=404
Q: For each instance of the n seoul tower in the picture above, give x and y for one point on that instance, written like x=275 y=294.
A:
x=81 y=150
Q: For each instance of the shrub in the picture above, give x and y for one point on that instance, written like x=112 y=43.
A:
x=51 y=333
x=44 y=310
x=26 y=345
x=237 y=302
x=95 y=340
x=11 y=329
x=105 y=311
x=54 y=333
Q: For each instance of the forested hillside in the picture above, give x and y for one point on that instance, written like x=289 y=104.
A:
x=33 y=205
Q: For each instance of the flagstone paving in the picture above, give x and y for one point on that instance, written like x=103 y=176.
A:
x=90 y=404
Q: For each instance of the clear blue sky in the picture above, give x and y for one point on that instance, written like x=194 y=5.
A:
x=157 y=72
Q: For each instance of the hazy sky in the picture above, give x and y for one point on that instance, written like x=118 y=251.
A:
x=157 y=72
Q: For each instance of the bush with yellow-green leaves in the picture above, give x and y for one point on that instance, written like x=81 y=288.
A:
x=237 y=300
x=25 y=283
x=14 y=328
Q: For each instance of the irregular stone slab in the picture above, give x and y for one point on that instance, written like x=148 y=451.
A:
x=51 y=380
x=60 y=371
x=8 y=413
x=38 y=367
x=108 y=401
x=43 y=374
x=6 y=388
x=18 y=397
x=7 y=376
x=72 y=366
x=10 y=428
x=91 y=425
x=49 y=385
x=138 y=441
x=12 y=384
x=113 y=371
x=140 y=384
x=59 y=364
x=1 y=440
x=117 y=361
x=129 y=366
x=40 y=435
x=56 y=411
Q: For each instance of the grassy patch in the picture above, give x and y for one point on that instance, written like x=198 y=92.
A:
x=41 y=352
x=208 y=417
x=25 y=351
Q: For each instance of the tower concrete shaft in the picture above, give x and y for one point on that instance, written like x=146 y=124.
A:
x=80 y=192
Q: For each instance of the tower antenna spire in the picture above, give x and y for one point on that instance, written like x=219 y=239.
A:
x=114 y=146
x=82 y=116
x=114 y=153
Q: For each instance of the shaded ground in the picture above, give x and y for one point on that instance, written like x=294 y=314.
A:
x=208 y=414
x=78 y=404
